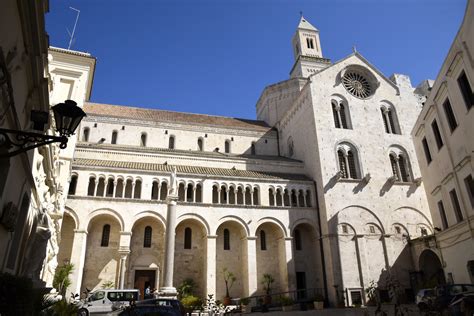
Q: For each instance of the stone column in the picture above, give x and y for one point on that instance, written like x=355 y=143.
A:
x=123 y=260
x=252 y=265
x=168 y=289
x=115 y=188
x=78 y=258
x=290 y=264
x=124 y=251
x=211 y=265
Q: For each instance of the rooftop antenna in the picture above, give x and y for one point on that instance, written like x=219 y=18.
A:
x=74 y=29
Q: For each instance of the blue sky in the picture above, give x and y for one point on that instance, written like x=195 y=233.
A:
x=216 y=56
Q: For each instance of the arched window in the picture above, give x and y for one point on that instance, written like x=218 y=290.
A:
x=164 y=191
x=119 y=188
x=223 y=197
x=340 y=113
x=389 y=118
x=188 y=238
x=227 y=146
x=110 y=188
x=154 y=190
x=294 y=199
x=147 y=237
x=271 y=197
x=240 y=195
x=105 y=236
x=297 y=237
x=114 y=137
x=200 y=144
x=85 y=134
x=198 y=193
x=128 y=188
x=301 y=198
x=348 y=161
x=73 y=185
x=138 y=189
x=171 y=142
x=252 y=149
x=215 y=194
x=190 y=193
x=255 y=197
x=286 y=198
x=399 y=165
x=291 y=147
x=100 y=187
x=279 y=200
x=181 y=192
x=263 y=240
x=308 y=198
x=248 y=197
x=143 y=140
x=226 y=239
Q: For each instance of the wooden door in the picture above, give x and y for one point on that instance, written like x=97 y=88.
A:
x=144 y=278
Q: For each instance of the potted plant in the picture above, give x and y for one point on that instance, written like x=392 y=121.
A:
x=229 y=279
x=287 y=303
x=267 y=281
x=245 y=307
x=318 y=301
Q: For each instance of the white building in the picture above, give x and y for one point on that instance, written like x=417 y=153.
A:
x=444 y=145
x=322 y=192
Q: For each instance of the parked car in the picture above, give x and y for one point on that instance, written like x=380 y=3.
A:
x=106 y=300
x=147 y=310
x=162 y=301
x=424 y=298
x=444 y=294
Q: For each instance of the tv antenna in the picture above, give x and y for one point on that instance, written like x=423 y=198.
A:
x=74 y=29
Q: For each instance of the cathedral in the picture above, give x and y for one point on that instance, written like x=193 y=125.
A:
x=322 y=191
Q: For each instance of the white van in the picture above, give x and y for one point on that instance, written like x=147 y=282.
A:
x=106 y=300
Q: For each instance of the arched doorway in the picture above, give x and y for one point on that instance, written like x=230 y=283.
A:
x=307 y=267
x=67 y=239
x=432 y=270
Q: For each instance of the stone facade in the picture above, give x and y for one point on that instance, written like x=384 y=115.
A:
x=443 y=143
x=322 y=192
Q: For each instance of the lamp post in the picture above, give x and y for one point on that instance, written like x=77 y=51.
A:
x=67 y=116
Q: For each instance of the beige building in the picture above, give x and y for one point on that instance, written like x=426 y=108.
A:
x=323 y=191
x=444 y=145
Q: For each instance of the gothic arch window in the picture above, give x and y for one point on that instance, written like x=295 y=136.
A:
x=200 y=144
x=291 y=147
x=297 y=237
x=119 y=188
x=226 y=239
x=147 y=237
x=340 y=113
x=143 y=140
x=85 y=134
x=389 y=118
x=114 y=137
x=227 y=147
x=105 y=236
x=171 y=142
x=399 y=163
x=73 y=185
x=348 y=161
x=188 y=235
x=263 y=240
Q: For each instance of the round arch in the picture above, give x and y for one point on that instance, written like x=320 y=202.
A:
x=195 y=217
x=272 y=220
x=105 y=211
x=235 y=219
x=144 y=214
x=69 y=211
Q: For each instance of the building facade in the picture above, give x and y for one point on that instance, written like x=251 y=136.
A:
x=443 y=142
x=323 y=191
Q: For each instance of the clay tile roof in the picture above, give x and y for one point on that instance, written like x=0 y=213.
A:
x=174 y=117
x=207 y=171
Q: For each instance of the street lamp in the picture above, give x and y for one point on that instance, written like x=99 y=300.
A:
x=67 y=116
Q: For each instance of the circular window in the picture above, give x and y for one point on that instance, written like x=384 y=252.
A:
x=356 y=84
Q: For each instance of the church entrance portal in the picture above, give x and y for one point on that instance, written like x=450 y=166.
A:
x=433 y=273
x=144 y=278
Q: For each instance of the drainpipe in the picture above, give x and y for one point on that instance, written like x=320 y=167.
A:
x=323 y=260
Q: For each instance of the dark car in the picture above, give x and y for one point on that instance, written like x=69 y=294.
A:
x=147 y=310
x=444 y=294
x=176 y=304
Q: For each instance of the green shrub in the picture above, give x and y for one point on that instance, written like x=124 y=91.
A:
x=191 y=302
x=61 y=279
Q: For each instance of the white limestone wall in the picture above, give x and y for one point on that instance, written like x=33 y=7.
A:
x=186 y=136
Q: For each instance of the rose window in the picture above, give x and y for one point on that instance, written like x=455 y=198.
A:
x=356 y=84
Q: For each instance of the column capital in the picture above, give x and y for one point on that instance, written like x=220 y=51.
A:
x=288 y=238
x=80 y=231
x=211 y=236
x=125 y=233
x=251 y=238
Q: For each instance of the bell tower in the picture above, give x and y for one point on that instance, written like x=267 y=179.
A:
x=307 y=51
